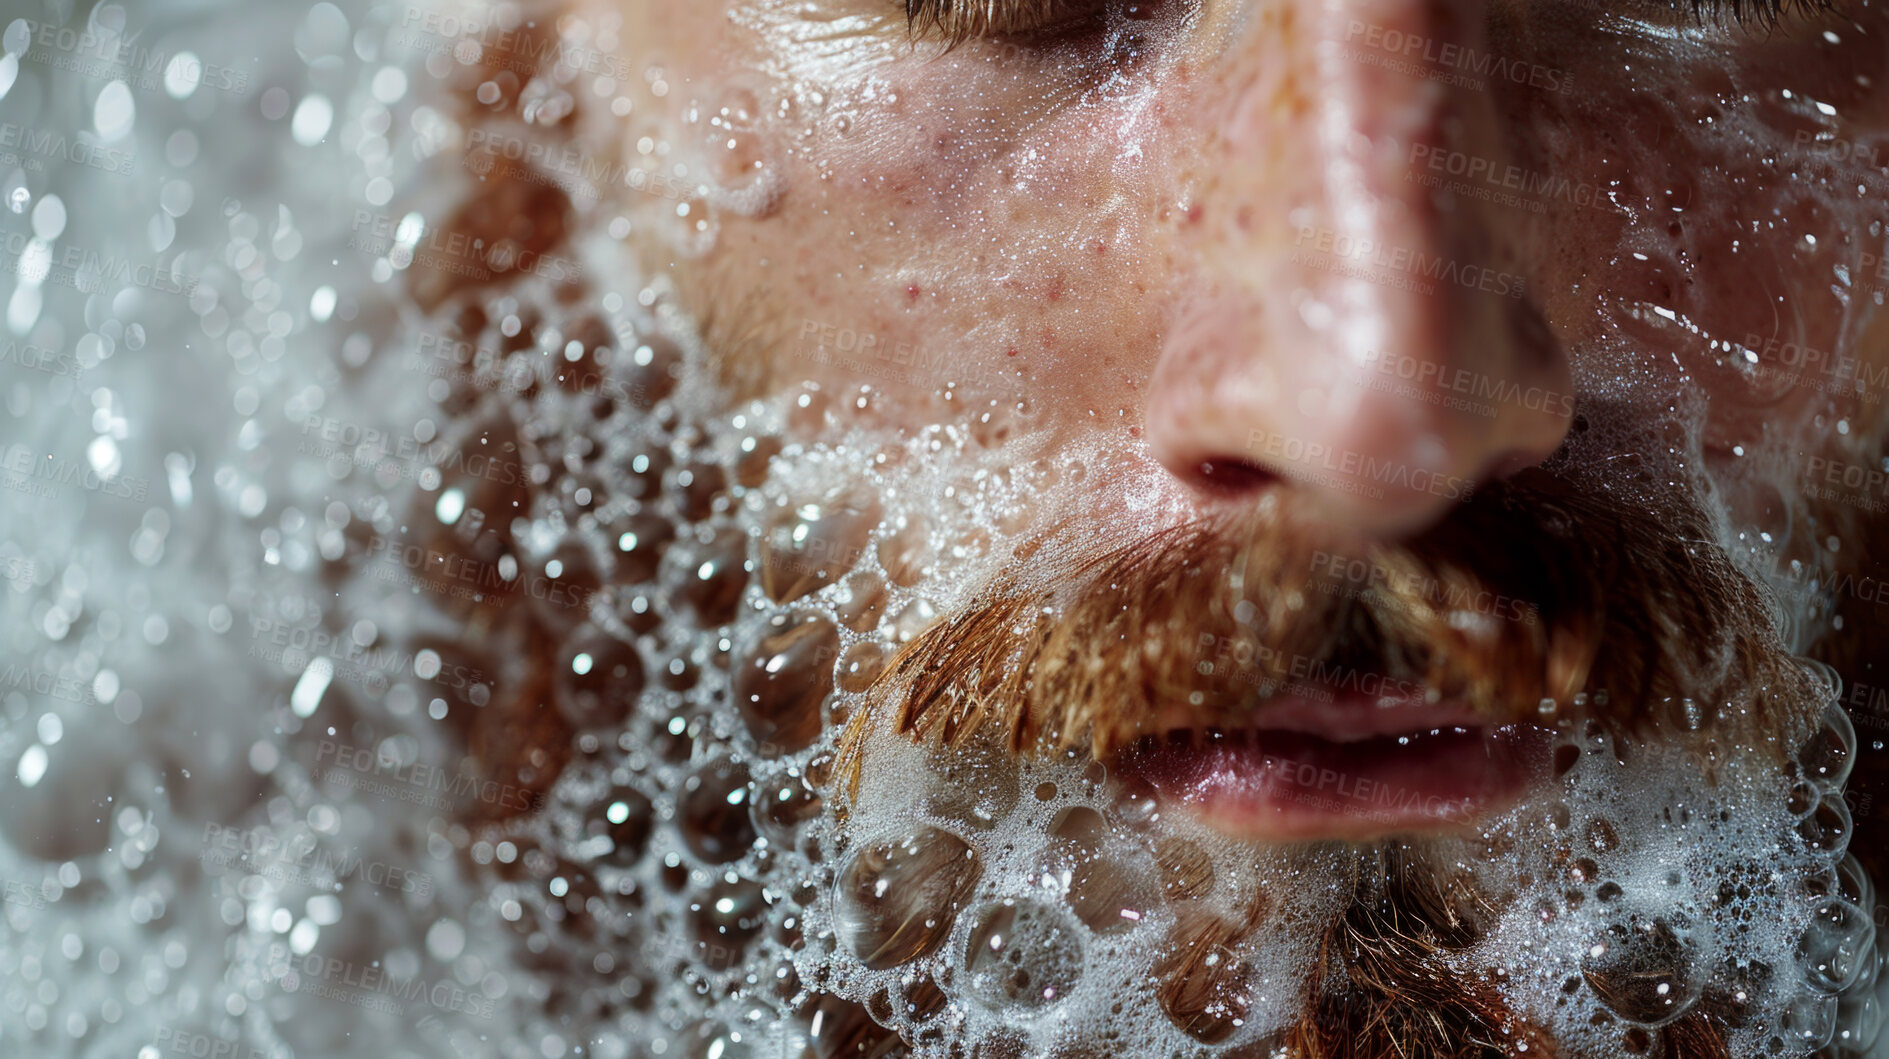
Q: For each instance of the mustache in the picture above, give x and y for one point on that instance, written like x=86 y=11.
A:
x=1549 y=591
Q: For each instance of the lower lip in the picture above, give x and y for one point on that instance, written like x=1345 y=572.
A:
x=1288 y=786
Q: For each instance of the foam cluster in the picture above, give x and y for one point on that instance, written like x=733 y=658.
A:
x=701 y=593
x=756 y=570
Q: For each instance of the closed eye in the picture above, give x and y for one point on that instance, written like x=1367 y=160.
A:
x=1749 y=14
x=956 y=21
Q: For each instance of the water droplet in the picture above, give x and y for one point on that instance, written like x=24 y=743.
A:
x=1827 y=756
x=1836 y=945
x=786 y=672
x=861 y=665
x=598 y=679
x=906 y=554
x=1827 y=829
x=816 y=544
x=713 y=812
x=638 y=545
x=781 y=805
x=728 y=916
x=114 y=112
x=841 y=1029
x=625 y=816
x=714 y=576
x=895 y=900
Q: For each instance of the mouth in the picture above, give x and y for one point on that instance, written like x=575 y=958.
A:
x=1351 y=768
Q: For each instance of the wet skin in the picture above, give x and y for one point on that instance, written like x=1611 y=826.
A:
x=1260 y=250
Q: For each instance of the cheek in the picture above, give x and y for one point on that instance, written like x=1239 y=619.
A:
x=1736 y=261
x=996 y=211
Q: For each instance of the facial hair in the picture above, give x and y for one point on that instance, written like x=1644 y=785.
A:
x=1563 y=593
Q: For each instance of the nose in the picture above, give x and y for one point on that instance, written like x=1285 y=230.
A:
x=1359 y=334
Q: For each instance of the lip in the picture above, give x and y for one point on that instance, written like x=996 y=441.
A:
x=1351 y=769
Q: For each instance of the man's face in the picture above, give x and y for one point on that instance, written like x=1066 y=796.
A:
x=1354 y=473
x=1226 y=236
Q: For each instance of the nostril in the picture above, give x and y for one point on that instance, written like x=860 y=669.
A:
x=1231 y=476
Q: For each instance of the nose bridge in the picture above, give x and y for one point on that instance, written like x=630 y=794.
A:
x=1354 y=304
x=1325 y=110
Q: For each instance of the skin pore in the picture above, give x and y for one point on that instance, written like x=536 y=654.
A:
x=1358 y=261
x=1570 y=306
x=1150 y=246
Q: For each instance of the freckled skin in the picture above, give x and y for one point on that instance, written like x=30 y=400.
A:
x=1238 y=241
x=1199 y=253
x=1272 y=230
x=1135 y=246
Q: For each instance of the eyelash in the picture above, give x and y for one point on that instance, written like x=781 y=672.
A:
x=1755 y=14
x=957 y=21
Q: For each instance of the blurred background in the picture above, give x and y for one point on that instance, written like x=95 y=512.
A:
x=208 y=212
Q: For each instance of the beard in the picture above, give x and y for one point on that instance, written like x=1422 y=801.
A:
x=959 y=857
x=1593 y=608
x=972 y=859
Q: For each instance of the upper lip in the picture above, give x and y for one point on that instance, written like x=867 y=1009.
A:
x=1340 y=718
x=1352 y=719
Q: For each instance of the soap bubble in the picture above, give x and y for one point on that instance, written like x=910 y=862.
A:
x=1022 y=955
x=1641 y=968
x=895 y=900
